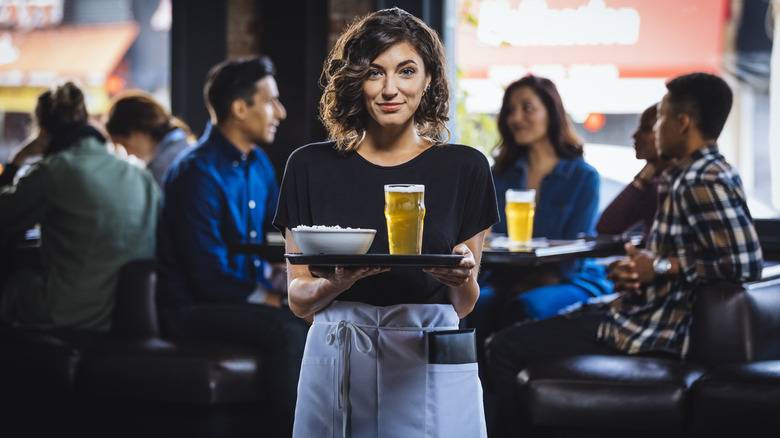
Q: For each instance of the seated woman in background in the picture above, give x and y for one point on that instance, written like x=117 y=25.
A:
x=638 y=201
x=96 y=212
x=147 y=131
x=539 y=150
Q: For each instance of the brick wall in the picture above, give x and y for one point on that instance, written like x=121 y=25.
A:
x=342 y=12
x=243 y=28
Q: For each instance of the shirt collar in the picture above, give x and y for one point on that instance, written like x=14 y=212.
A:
x=225 y=146
x=704 y=153
x=173 y=136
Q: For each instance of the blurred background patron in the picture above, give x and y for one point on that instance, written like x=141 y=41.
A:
x=96 y=212
x=146 y=130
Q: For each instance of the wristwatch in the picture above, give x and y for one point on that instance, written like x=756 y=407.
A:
x=661 y=265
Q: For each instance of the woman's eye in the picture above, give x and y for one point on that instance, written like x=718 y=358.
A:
x=407 y=71
x=374 y=73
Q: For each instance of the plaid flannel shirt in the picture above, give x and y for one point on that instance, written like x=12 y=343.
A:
x=702 y=220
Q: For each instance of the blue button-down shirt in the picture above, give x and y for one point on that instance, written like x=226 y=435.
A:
x=213 y=195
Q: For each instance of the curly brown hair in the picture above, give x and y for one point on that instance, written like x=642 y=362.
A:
x=342 y=110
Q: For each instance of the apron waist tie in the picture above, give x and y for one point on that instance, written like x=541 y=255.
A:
x=343 y=332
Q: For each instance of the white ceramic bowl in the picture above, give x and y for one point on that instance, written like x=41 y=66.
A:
x=330 y=240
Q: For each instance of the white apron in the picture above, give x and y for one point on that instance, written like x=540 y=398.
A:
x=365 y=373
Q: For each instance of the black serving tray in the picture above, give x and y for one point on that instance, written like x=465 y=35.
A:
x=389 y=260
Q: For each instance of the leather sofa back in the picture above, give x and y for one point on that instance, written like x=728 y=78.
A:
x=735 y=323
x=135 y=311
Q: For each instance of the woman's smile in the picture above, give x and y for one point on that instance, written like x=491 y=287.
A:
x=391 y=107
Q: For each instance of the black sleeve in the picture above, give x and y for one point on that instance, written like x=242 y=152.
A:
x=481 y=210
x=291 y=195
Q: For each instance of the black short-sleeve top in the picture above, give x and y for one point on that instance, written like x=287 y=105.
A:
x=322 y=186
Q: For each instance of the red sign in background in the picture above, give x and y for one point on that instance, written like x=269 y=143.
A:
x=675 y=36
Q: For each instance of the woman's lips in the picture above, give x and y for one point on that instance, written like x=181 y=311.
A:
x=390 y=106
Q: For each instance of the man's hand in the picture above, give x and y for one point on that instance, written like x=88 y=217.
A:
x=632 y=271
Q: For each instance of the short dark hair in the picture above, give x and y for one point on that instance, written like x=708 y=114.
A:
x=234 y=79
x=705 y=97
x=342 y=110
x=559 y=129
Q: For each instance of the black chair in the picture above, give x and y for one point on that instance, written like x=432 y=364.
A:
x=730 y=382
x=145 y=385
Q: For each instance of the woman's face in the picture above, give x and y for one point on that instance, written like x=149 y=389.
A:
x=395 y=85
x=644 y=137
x=527 y=117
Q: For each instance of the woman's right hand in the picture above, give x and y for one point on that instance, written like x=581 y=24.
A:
x=312 y=288
x=341 y=278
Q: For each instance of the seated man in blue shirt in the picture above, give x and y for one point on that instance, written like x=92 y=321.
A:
x=222 y=191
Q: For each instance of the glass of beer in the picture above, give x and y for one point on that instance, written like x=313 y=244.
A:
x=520 y=205
x=405 y=211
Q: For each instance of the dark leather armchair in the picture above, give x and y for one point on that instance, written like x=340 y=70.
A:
x=131 y=382
x=730 y=382
x=151 y=383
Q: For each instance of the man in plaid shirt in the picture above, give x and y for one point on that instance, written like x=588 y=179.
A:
x=703 y=232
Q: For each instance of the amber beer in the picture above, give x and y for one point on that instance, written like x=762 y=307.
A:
x=405 y=211
x=520 y=205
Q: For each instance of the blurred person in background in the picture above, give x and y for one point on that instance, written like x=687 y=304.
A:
x=222 y=191
x=703 y=232
x=146 y=130
x=637 y=203
x=540 y=150
x=96 y=212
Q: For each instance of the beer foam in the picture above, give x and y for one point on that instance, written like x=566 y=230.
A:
x=405 y=188
x=513 y=195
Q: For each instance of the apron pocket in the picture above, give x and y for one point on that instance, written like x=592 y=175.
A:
x=453 y=405
x=317 y=393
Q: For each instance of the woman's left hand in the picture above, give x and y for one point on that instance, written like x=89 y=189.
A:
x=456 y=276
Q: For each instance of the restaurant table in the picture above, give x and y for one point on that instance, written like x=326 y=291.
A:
x=499 y=252
x=271 y=250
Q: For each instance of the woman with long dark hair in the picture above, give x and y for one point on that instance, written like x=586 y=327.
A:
x=540 y=150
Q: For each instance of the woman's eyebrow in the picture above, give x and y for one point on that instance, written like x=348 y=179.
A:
x=400 y=64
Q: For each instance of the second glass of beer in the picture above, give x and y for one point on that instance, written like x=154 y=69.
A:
x=520 y=214
x=405 y=212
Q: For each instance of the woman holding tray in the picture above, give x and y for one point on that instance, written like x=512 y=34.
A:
x=368 y=369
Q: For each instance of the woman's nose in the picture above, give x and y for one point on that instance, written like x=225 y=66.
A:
x=389 y=88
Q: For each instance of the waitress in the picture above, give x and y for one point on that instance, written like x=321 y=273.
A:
x=366 y=369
